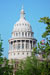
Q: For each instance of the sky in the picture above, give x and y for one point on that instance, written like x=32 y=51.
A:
x=10 y=14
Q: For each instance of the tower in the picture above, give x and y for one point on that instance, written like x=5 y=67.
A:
x=22 y=41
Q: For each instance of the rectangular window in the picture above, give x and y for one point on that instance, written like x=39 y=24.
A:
x=27 y=45
x=18 y=46
x=22 y=46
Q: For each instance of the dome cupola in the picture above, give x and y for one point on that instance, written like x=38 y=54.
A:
x=22 y=24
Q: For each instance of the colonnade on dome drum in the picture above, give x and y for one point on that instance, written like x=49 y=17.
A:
x=21 y=44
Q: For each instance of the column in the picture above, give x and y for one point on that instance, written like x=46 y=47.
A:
x=24 y=34
x=16 y=45
x=9 y=46
x=27 y=34
x=21 y=34
x=32 y=44
x=29 y=45
x=20 y=44
x=25 y=44
x=12 y=46
x=30 y=34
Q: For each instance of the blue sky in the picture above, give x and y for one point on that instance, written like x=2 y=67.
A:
x=10 y=13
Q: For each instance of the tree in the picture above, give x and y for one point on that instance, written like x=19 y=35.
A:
x=46 y=35
x=1 y=51
x=46 y=20
x=5 y=68
x=29 y=66
x=45 y=49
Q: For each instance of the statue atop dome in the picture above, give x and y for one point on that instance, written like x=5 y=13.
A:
x=22 y=15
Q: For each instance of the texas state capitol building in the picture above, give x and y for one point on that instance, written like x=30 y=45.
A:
x=22 y=42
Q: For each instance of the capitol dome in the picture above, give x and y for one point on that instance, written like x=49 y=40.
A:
x=22 y=41
x=22 y=24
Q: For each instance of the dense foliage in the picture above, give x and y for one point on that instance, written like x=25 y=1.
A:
x=5 y=68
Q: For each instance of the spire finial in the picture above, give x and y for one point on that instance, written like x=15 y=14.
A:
x=22 y=6
x=22 y=13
